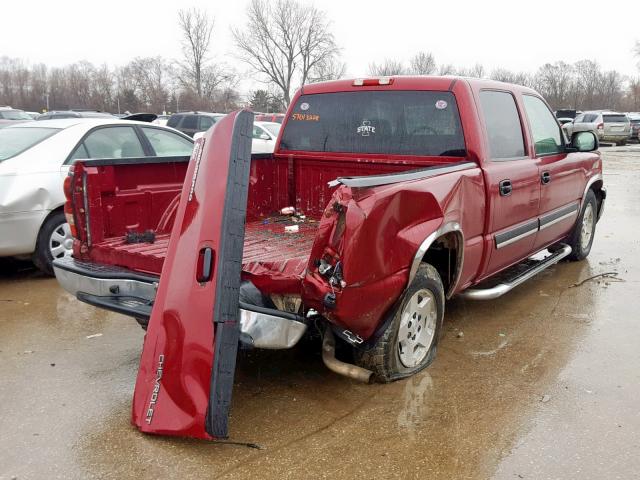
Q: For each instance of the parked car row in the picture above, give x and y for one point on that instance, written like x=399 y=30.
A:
x=609 y=126
x=34 y=160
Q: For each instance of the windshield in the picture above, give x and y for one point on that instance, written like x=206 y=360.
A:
x=16 y=140
x=273 y=128
x=383 y=122
x=14 y=115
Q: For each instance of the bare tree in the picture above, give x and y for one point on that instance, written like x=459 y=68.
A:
x=447 y=69
x=423 y=64
x=387 y=68
x=196 y=28
x=329 y=69
x=284 y=41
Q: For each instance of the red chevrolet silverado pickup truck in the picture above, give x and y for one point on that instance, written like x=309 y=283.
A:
x=384 y=197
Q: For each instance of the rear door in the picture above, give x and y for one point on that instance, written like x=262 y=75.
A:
x=560 y=174
x=511 y=177
x=188 y=360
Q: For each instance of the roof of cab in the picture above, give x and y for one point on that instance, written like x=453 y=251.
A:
x=409 y=82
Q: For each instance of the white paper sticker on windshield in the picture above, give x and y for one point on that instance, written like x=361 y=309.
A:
x=441 y=104
x=304 y=106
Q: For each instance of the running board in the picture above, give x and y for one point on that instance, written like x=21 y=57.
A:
x=522 y=276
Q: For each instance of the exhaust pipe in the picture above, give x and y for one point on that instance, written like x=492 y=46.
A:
x=341 y=368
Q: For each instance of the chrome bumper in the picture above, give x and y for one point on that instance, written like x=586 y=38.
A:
x=110 y=288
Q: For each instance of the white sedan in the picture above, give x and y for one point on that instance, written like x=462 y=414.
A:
x=34 y=160
x=264 y=137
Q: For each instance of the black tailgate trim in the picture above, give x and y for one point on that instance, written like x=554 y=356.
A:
x=228 y=271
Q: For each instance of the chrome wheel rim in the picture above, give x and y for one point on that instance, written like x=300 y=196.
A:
x=61 y=241
x=418 y=322
x=587 y=227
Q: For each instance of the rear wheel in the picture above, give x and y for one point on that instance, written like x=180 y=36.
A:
x=581 y=238
x=409 y=343
x=54 y=241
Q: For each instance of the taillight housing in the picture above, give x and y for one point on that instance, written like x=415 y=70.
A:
x=600 y=126
x=68 y=204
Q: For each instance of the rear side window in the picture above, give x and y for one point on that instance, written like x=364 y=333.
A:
x=113 y=142
x=544 y=126
x=167 y=144
x=383 y=122
x=190 y=122
x=589 y=118
x=174 y=120
x=503 y=124
x=615 y=118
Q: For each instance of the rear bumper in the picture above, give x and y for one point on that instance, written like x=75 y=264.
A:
x=615 y=137
x=129 y=293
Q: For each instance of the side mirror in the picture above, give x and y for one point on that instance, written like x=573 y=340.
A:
x=264 y=136
x=584 y=142
x=198 y=135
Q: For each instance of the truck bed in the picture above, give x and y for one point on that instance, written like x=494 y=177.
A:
x=268 y=251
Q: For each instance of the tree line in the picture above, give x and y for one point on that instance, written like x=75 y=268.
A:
x=283 y=44
x=582 y=85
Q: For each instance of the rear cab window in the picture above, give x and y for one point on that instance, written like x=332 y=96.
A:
x=611 y=118
x=421 y=123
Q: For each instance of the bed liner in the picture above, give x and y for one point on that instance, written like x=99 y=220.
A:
x=270 y=253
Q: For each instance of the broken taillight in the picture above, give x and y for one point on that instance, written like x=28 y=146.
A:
x=68 y=204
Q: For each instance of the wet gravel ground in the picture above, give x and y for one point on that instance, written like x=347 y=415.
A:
x=543 y=383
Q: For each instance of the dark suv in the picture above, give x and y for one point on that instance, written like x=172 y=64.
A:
x=193 y=122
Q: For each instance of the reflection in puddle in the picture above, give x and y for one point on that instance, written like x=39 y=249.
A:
x=415 y=407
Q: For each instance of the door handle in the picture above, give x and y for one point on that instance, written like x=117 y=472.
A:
x=545 y=177
x=204 y=269
x=505 y=187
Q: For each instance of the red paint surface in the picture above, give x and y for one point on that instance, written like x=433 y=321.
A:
x=180 y=334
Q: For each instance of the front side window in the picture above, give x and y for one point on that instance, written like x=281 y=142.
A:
x=258 y=132
x=503 y=124
x=167 y=144
x=544 y=127
x=377 y=122
x=113 y=142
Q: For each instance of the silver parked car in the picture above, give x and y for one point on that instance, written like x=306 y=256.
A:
x=34 y=160
x=610 y=126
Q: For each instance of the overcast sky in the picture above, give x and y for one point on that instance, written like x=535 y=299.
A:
x=516 y=35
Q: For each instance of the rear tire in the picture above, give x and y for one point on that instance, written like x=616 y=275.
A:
x=54 y=239
x=581 y=238
x=409 y=344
